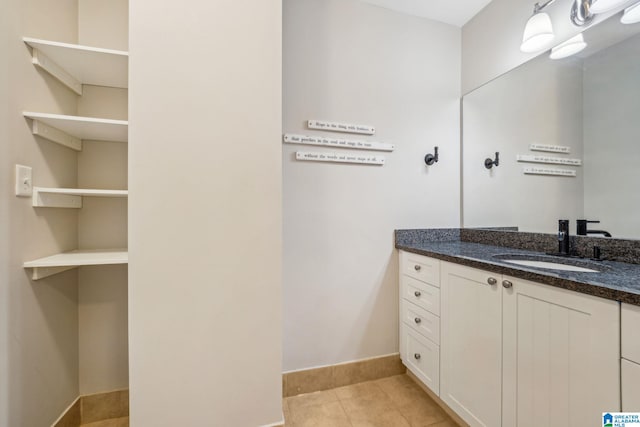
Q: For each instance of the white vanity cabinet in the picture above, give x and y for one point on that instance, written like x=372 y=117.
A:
x=420 y=317
x=561 y=358
x=515 y=353
x=630 y=364
x=471 y=365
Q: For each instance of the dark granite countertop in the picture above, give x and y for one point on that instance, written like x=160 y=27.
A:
x=617 y=280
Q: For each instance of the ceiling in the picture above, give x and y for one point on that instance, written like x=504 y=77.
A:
x=454 y=12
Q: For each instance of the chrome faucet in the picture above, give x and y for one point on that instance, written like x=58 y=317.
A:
x=563 y=236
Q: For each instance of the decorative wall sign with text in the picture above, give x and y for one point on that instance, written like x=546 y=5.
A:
x=550 y=148
x=341 y=127
x=549 y=160
x=340 y=158
x=549 y=171
x=337 y=142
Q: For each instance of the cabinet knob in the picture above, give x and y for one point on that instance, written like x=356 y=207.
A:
x=492 y=281
x=417 y=294
x=507 y=284
x=417 y=267
x=417 y=320
x=417 y=356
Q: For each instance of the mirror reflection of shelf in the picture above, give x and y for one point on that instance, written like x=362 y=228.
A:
x=69 y=197
x=71 y=130
x=74 y=65
x=549 y=171
x=54 y=264
x=548 y=159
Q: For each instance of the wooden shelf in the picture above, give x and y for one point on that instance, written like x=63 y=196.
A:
x=75 y=65
x=47 y=266
x=71 y=130
x=69 y=197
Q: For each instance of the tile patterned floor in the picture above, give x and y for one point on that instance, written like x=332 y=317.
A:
x=389 y=402
x=114 y=422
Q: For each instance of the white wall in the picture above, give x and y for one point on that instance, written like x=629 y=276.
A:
x=5 y=227
x=537 y=103
x=104 y=23
x=491 y=40
x=349 y=61
x=39 y=371
x=102 y=222
x=205 y=212
x=611 y=128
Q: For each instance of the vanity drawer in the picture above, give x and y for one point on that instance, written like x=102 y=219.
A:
x=422 y=357
x=420 y=320
x=630 y=325
x=420 y=267
x=423 y=295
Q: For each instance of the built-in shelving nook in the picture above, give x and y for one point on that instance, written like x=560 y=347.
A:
x=71 y=130
x=48 y=266
x=69 y=197
x=74 y=66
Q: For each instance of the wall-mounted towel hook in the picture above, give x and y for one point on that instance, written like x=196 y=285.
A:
x=488 y=163
x=430 y=159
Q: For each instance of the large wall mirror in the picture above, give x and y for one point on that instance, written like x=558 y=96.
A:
x=587 y=105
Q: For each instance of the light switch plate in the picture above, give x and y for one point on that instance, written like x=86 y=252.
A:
x=24 y=183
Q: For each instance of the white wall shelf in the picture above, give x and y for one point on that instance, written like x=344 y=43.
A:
x=69 y=197
x=48 y=266
x=365 y=159
x=71 y=130
x=75 y=65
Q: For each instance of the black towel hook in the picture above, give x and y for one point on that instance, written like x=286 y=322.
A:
x=488 y=163
x=430 y=159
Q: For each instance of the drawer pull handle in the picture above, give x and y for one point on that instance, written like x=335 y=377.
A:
x=417 y=294
x=417 y=356
x=417 y=320
x=417 y=267
x=492 y=281
x=507 y=284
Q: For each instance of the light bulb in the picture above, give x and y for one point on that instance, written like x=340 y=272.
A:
x=631 y=14
x=538 y=33
x=599 y=6
x=570 y=47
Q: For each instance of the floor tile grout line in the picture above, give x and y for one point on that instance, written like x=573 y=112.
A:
x=345 y=412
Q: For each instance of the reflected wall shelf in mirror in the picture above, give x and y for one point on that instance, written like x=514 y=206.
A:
x=580 y=113
x=54 y=264
x=75 y=65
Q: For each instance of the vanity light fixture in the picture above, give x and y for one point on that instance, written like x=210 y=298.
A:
x=631 y=14
x=538 y=32
x=581 y=13
x=600 y=6
x=565 y=49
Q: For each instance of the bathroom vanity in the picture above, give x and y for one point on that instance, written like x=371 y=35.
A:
x=504 y=344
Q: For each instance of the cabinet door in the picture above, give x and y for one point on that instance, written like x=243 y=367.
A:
x=630 y=324
x=630 y=386
x=561 y=356
x=471 y=344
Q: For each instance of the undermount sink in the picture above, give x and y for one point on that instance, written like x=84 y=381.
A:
x=551 y=263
